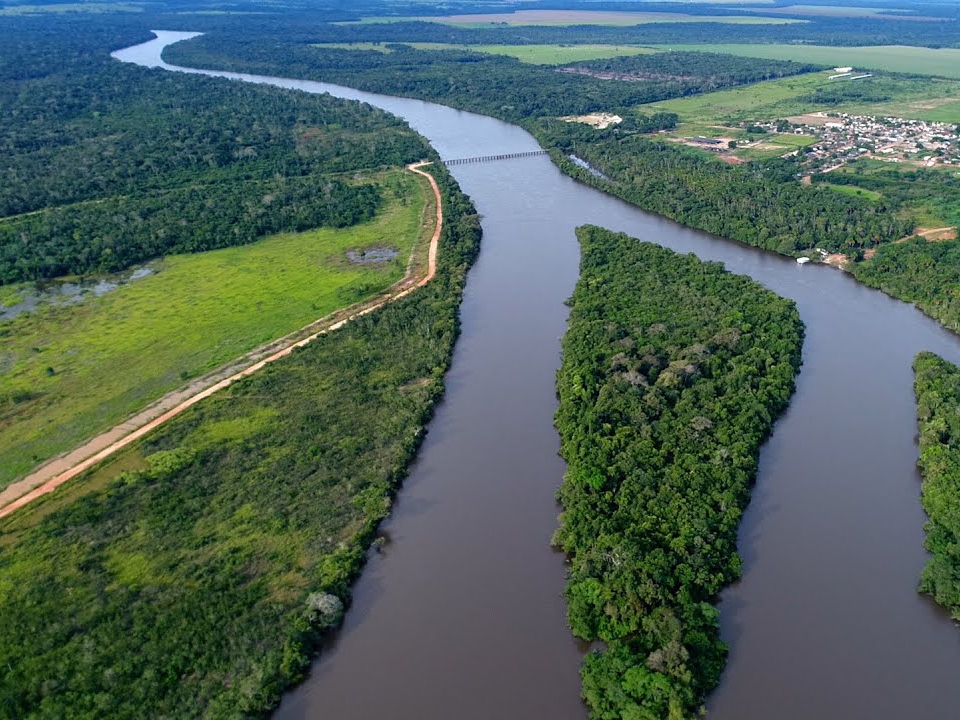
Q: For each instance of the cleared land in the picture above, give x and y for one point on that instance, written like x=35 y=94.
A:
x=69 y=372
x=586 y=17
x=922 y=98
x=533 y=54
x=943 y=62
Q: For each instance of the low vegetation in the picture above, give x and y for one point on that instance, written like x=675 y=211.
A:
x=673 y=373
x=68 y=371
x=937 y=387
x=194 y=574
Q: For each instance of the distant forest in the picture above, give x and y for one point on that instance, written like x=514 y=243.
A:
x=108 y=165
x=492 y=84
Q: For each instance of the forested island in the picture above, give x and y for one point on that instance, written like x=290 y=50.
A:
x=673 y=373
x=937 y=387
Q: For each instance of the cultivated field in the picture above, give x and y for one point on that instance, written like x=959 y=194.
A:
x=893 y=58
x=920 y=98
x=67 y=372
x=586 y=17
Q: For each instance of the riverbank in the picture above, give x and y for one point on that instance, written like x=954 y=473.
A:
x=263 y=498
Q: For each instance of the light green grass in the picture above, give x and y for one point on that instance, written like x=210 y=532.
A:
x=852 y=190
x=533 y=54
x=893 y=58
x=921 y=98
x=761 y=101
x=112 y=355
x=583 y=17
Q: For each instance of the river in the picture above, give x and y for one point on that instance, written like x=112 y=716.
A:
x=461 y=615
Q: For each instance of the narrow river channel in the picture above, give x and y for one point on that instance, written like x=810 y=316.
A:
x=462 y=615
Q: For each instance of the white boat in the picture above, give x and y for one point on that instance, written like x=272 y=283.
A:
x=803 y=260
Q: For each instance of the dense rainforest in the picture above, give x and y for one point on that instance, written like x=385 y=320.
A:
x=842 y=31
x=673 y=373
x=193 y=575
x=107 y=165
x=757 y=204
x=492 y=84
x=937 y=387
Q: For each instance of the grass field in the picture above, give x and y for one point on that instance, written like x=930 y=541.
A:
x=893 y=58
x=921 y=98
x=69 y=372
x=534 y=54
x=852 y=190
x=585 y=17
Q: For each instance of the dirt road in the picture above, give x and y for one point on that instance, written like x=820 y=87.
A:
x=60 y=470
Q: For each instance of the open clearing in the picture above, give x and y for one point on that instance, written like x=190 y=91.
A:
x=68 y=372
x=943 y=62
x=585 y=17
x=920 y=98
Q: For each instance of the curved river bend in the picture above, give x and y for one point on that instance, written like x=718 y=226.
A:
x=462 y=614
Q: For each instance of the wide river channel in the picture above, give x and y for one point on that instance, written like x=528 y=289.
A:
x=462 y=616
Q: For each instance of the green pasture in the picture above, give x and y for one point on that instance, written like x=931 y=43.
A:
x=852 y=190
x=68 y=372
x=944 y=62
x=921 y=98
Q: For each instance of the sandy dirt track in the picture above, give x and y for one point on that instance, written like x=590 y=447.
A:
x=60 y=470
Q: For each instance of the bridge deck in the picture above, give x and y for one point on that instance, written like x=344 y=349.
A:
x=489 y=158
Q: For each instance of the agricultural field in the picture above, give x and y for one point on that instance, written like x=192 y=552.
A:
x=533 y=54
x=69 y=371
x=585 y=17
x=918 y=98
x=943 y=62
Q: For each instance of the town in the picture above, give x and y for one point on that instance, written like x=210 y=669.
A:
x=843 y=137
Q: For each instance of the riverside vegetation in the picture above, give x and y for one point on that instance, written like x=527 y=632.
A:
x=937 y=387
x=193 y=574
x=673 y=373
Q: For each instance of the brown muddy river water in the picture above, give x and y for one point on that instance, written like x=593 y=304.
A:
x=462 y=616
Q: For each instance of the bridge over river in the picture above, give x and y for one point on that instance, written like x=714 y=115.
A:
x=490 y=158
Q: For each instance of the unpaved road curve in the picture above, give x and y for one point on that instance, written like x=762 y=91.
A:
x=55 y=473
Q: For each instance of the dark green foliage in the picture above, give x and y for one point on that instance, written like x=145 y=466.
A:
x=814 y=30
x=937 y=386
x=493 y=84
x=921 y=272
x=123 y=164
x=713 y=71
x=673 y=373
x=184 y=590
x=757 y=204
